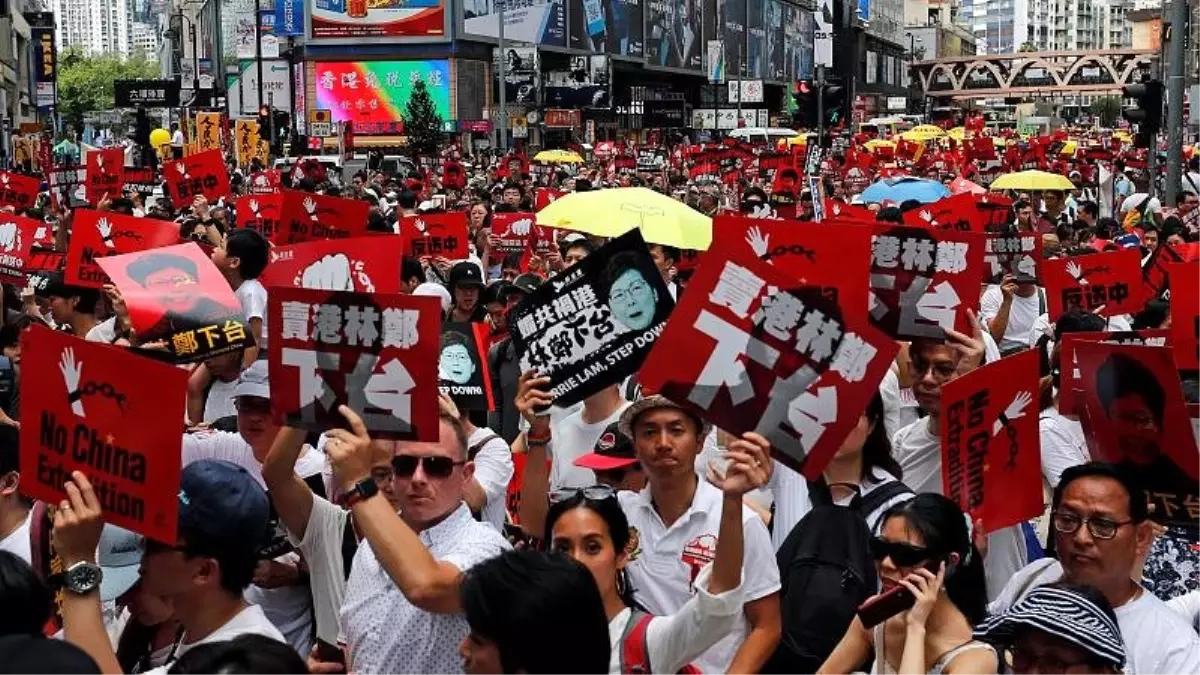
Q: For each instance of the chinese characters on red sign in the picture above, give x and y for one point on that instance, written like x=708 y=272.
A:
x=1107 y=283
x=924 y=281
x=376 y=353
x=435 y=234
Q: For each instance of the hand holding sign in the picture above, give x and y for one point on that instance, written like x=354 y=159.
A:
x=531 y=397
x=349 y=451
x=749 y=466
x=78 y=522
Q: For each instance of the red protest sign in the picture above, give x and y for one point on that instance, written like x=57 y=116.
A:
x=1112 y=281
x=436 y=234
x=96 y=234
x=376 y=353
x=266 y=182
x=16 y=242
x=513 y=231
x=1017 y=254
x=994 y=210
x=463 y=372
x=1071 y=380
x=306 y=216
x=111 y=414
x=957 y=212
x=203 y=173
x=105 y=174
x=260 y=213
x=18 y=191
x=1134 y=415
x=991 y=454
x=543 y=197
x=923 y=281
x=362 y=264
x=744 y=342
x=836 y=210
x=176 y=294
x=1185 y=314
x=806 y=252
x=1155 y=270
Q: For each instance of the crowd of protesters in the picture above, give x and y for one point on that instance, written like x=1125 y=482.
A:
x=645 y=540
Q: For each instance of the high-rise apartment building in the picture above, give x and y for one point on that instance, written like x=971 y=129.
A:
x=92 y=26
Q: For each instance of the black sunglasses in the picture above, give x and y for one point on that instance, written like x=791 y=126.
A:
x=594 y=493
x=902 y=555
x=435 y=467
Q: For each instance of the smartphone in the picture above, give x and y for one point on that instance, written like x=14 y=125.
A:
x=882 y=607
x=330 y=653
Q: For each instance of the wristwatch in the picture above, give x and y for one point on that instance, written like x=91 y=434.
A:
x=81 y=578
x=363 y=489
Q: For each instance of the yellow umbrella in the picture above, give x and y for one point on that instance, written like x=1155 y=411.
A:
x=558 y=157
x=957 y=133
x=922 y=133
x=1069 y=148
x=1032 y=180
x=876 y=143
x=614 y=211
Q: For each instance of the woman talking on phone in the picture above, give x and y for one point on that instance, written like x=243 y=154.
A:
x=589 y=525
x=932 y=595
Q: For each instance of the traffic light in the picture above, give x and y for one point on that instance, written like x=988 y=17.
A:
x=282 y=130
x=264 y=121
x=141 y=128
x=834 y=102
x=1147 y=113
x=804 y=105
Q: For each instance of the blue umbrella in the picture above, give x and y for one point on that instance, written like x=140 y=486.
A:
x=904 y=188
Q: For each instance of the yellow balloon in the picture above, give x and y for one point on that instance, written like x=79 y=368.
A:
x=159 y=138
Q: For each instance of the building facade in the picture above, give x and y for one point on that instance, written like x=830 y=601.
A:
x=92 y=26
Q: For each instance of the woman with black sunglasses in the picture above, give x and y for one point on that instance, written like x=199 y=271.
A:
x=589 y=525
x=924 y=547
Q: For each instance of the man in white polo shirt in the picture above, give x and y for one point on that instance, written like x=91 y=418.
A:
x=676 y=518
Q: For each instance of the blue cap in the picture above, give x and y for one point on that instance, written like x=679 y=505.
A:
x=220 y=503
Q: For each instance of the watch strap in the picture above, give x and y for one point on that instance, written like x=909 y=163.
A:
x=363 y=489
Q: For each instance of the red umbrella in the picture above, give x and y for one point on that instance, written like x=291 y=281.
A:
x=960 y=185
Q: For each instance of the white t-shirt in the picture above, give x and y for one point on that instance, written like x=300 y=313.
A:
x=493 y=470
x=919 y=452
x=219 y=402
x=574 y=438
x=900 y=407
x=669 y=559
x=1188 y=604
x=1157 y=640
x=105 y=331
x=1021 y=315
x=1063 y=445
x=253 y=297
x=322 y=550
x=249 y=621
x=672 y=642
x=17 y=541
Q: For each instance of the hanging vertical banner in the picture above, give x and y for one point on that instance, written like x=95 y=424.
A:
x=289 y=17
x=823 y=34
x=44 y=66
x=245 y=146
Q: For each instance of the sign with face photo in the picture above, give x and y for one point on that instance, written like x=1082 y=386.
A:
x=177 y=295
x=593 y=324
x=463 y=366
x=1134 y=416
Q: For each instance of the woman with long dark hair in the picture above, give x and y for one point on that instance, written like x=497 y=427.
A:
x=923 y=545
x=863 y=464
x=589 y=525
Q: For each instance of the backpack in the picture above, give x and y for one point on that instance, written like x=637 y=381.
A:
x=635 y=654
x=826 y=571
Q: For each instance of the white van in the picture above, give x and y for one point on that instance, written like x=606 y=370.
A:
x=762 y=135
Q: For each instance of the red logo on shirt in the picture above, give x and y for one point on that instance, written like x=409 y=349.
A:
x=699 y=552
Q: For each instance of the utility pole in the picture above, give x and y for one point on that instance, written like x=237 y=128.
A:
x=258 y=50
x=502 y=64
x=820 y=103
x=1175 y=84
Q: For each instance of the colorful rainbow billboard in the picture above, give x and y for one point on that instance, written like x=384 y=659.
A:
x=378 y=91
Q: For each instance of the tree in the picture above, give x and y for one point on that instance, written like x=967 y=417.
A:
x=1108 y=109
x=85 y=83
x=422 y=123
x=1028 y=46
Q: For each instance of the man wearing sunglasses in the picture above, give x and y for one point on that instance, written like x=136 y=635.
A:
x=402 y=611
x=1099 y=525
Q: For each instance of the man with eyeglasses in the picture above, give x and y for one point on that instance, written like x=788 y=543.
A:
x=402 y=612
x=1099 y=526
x=918 y=446
x=279 y=584
x=1186 y=208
